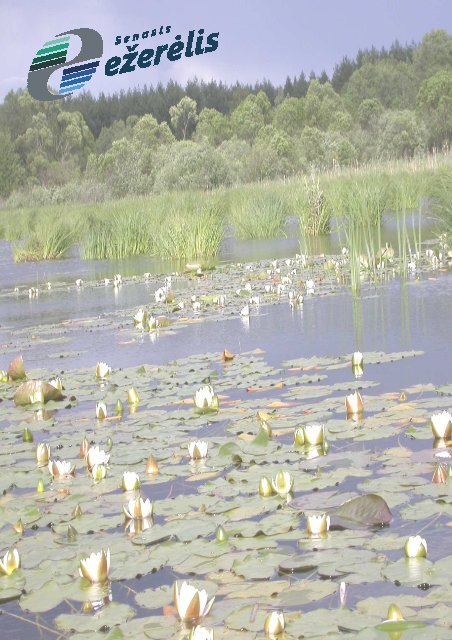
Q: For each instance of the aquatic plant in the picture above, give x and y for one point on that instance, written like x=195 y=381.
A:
x=191 y=603
x=96 y=567
x=259 y=214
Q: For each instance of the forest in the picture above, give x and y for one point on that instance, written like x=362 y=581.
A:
x=382 y=105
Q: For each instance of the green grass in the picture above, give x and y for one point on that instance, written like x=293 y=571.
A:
x=48 y=241
x=191 y=225
x=258 y=214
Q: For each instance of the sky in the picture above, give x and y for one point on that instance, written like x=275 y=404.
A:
x=258 y=38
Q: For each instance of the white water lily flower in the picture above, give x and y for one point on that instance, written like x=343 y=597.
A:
x=265 y=487
x=57 y=383
x=441 y=424
x=106 y=281
x=198 y=450
x=205 y=398
x=42 y=452
x=245 y=312
x=137 y=508
x=10 y=562
x=310 y=286
x=96 y=456
x=117 y=280
x=130 y=481
x=255 y=300
x=248 y=286
x=268 y=288
x=137 y=525
x=274 y=624
x=160 y=294
x=99 y=471
x=191 y=603
x=282 y=483
x=61 y=468
x=357 y=359
x=416 y=547
x=316 y=524
x=201 y=633
x=102 y=370
x=101 y=410
x=78 y=282
x=139 y=317
x=96 y=567
x=196 y=306
x=314 y=433
x=354 y=403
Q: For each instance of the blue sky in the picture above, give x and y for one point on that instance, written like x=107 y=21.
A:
x=258 y=38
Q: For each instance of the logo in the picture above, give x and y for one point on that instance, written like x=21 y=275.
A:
x=52 y=56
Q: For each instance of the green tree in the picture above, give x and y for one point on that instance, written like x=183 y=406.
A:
x=400 y=134
x=320 y=105
x=184 y=117
x=433 y=54
x=369 y=111
x=391 y=82
x=12 y=174
x=213 y=126
x=248 y=118
x=190 y=165
x=288 y=116
x=434 y=105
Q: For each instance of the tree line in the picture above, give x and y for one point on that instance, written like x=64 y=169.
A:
x=386 y=103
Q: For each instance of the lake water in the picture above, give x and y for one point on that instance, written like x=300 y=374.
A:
x=94 y=324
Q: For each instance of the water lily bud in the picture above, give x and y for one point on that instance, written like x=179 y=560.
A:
x=96 y=567
x=132 y=396
x=102 y=370
x=200 y=633
x=42 y=453
x=10 y=562
x=3 y=376
x=266 y=427
x=130 y=481
x=77 y=511
x=27 y=435
x=274 y=624
x=101 y=410
x=441 y=424
x=221 y=535
x=151 y=466
x=394 y=613
x=265 y=487
x=191 y=604
x=440 y=474
x=403 y=396
x=109 y=443
x=119 y=407
x=416 y=547
x=19 y=527
x=40 y=487
x=198 y=450
x=99 y=471
x=317 y=524
x=227 y=355
x=354 y=404
x=71 y=533
x=298 y=436
x=314 y=433
x=282 y=483
x=357 y=359
x=84 y=447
